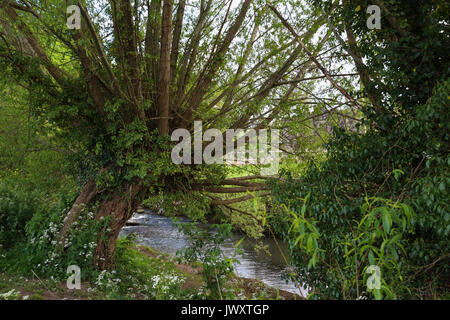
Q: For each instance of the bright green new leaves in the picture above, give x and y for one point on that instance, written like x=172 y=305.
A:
x=378 y=242
x=306 y=234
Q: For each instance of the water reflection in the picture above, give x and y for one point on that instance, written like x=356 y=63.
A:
x=159 y=232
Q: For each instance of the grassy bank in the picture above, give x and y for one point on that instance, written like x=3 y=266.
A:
x=141 y=273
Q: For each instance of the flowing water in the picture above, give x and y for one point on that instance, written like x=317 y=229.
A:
x=161 y=233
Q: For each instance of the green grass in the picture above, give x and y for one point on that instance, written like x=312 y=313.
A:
x=141 y=273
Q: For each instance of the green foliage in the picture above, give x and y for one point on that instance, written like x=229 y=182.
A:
x=10 y=295
x=194 y=205
x=379 y=242
x=306 y=234
x=16 y=209
x=140 y=276
x=402 y=155
x=204 y=247
x=44 y=254
x=360 y=164
x=34 y=171
x=399 y=153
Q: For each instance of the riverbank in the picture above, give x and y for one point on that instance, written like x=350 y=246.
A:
x=190 y=283
x=265 y=259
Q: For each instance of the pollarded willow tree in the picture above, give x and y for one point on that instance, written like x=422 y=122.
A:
x=136 y=70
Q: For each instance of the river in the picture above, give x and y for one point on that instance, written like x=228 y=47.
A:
x=161 y=233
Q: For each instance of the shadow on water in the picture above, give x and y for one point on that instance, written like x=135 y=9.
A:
x=161 y=233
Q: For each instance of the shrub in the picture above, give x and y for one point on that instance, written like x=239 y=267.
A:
x=408 y=165
x=204 y=247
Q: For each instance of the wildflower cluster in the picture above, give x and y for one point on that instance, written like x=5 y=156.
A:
x=10 y=295
x=164 y=284
x=51 y=254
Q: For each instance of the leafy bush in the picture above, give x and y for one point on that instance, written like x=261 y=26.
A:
x=399 y=152
x=16 y=209
x=409 y=165
x=374 y=242
x=205 y=248
x=50 y=256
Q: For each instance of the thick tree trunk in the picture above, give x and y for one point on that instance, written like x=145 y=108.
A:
x=164 y=71
x=88 y=193
x=118 y=205
x=119 y=208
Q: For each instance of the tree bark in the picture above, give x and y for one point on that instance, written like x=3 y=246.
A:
x=152 y=49
x=164 y=72
x=88 y=193
x=119 y=209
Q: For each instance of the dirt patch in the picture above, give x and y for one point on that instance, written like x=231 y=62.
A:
x=253 y=288
x=188 y=269
x=35 y=290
